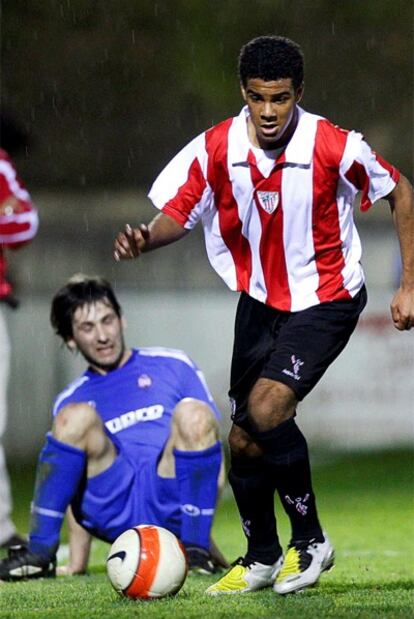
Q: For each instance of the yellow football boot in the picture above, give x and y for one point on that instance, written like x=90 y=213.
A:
x=304 y=563
x=244 y=577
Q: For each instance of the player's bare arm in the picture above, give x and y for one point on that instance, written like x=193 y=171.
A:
x=79 y=548
x=402 y=207
x=161 y=231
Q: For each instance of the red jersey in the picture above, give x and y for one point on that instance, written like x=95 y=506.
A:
x=278 y=225
x=18 y=217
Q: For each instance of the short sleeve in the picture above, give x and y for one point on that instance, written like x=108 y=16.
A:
x=367 y=171
x=17 y=225
x=181 y=190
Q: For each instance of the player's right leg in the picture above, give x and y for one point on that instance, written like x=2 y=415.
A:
x=254 y=491
x=77 y=443
x=252 y=487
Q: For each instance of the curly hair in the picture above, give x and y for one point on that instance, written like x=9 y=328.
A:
x=271 y=58
x=80 y=290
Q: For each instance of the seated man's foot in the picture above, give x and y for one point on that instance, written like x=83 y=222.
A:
x=246 y=576
x=22 y=564
x=304 y=563
x=200 y=561
x=14 y=540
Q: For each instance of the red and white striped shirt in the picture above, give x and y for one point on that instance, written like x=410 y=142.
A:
x=278 y=226
x=18 y=225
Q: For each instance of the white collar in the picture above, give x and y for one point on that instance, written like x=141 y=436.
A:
x=299 y=149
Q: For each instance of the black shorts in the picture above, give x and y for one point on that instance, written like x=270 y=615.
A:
x=294 y=348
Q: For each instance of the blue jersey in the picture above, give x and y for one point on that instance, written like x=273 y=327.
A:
x=136 y=403
x=137 y=400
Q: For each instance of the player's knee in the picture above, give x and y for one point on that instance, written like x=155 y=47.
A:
x=270 y=404
x=194 y=425
x=74 y=422
x=242 y=444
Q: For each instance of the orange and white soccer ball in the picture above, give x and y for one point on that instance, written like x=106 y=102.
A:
x=147 y=562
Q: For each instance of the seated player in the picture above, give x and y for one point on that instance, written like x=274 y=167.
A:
x=135 y=439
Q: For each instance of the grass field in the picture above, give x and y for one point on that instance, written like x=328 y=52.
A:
x=366 y=504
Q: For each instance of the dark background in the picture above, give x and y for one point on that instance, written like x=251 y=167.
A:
x=106 y=91
x=103 y=93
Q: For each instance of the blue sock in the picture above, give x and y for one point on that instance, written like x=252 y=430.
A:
x=197 y=473
x=59 y=471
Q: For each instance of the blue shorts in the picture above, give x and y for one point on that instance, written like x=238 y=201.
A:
x=129 y=493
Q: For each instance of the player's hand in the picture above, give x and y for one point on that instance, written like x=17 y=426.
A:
x=131 y=242
x=67 y=570
x=402 y=309
x=11 y=206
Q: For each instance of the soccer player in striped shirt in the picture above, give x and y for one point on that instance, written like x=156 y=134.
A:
x=274 y=188
x=18 y=226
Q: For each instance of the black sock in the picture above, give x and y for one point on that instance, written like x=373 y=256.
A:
x=254 y=493
x=286 y=454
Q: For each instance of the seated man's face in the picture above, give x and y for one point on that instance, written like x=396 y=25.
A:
x=98 y=335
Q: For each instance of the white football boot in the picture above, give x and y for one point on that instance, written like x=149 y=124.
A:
x=244 y=577
x=304 y=563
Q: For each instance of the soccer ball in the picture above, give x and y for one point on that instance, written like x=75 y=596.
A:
x=147 y=562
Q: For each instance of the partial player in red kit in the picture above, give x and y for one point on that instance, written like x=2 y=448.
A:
x=274 y=189
x=18 y=225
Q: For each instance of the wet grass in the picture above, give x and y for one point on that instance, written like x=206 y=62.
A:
x=366 y=504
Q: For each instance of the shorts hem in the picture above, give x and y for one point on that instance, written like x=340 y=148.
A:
x=285 y=380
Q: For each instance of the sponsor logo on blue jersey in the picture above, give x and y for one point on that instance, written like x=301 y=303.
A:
x=193 y=510
x=148 y=413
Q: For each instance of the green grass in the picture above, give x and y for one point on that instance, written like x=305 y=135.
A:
x=366 y=505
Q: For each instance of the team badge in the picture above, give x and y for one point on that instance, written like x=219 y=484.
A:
x=268 y=200
x=144 y=381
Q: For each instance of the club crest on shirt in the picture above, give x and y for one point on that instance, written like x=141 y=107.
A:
x=268 y=200
x=144 y=381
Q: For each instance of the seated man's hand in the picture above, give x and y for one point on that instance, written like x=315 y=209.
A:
x=69 y=570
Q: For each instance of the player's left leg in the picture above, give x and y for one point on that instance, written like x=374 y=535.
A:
x=306 y=345
x=193 y=455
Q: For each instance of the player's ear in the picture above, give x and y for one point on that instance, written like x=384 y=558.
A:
x=71 y=344
x=124 y=322
x=299 y=92
x=243 y=92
